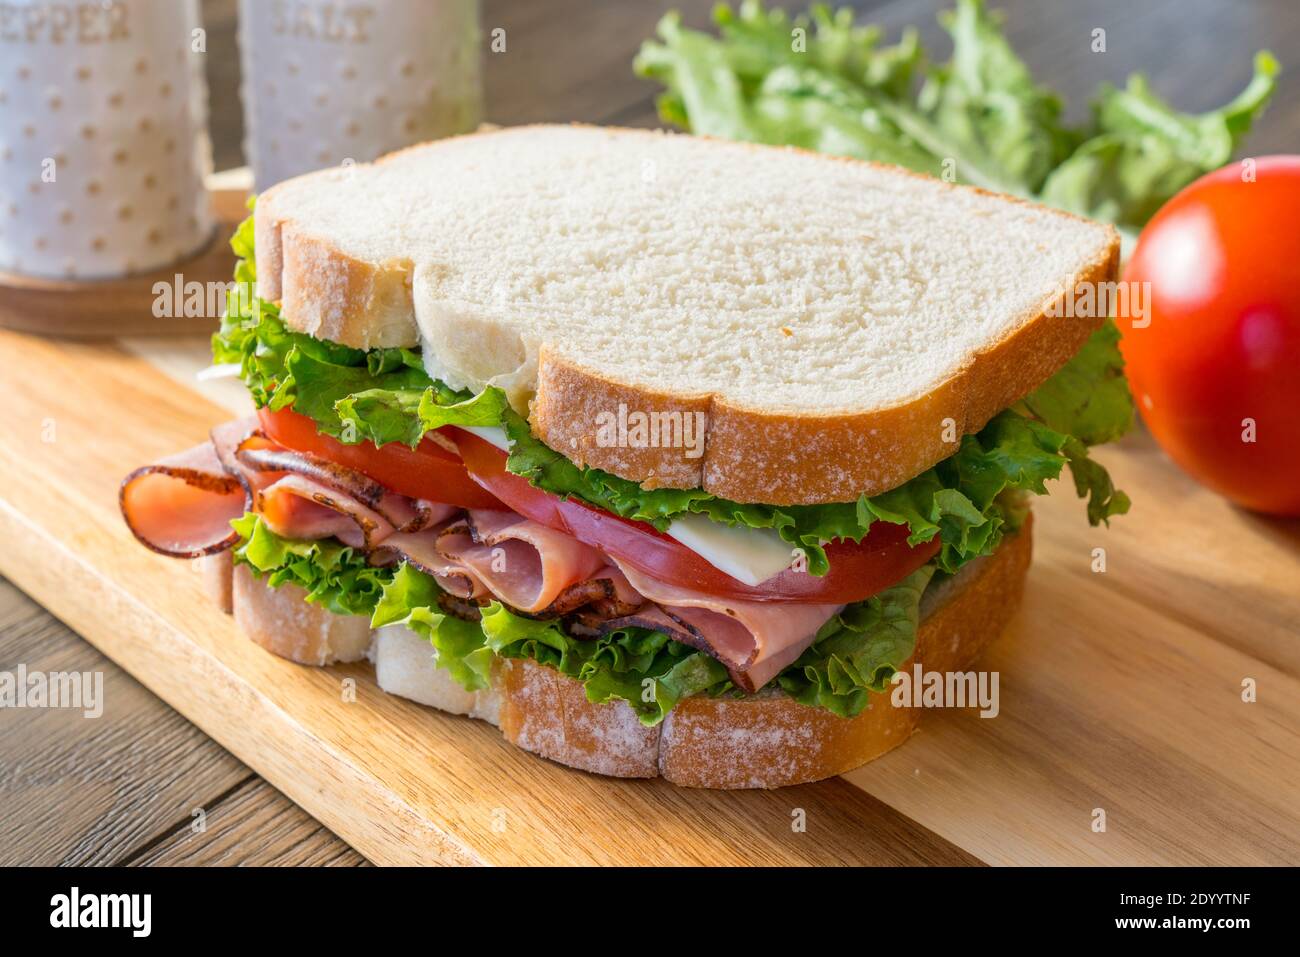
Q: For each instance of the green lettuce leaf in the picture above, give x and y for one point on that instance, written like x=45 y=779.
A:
x=823 y=83
x=858 y=651
x=1089 y=401
x=985 y=111
x=1088 y=397
x=327 y=391
x=1142 y=151
x=410 y=598
x=335 y=576
x=647 y=669
x=354 y=395
x=831 y=86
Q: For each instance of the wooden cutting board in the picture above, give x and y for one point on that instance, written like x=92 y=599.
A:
x=1120 y=691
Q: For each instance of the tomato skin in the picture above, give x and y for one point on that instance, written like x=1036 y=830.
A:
x=427 y=472
x=1223 y=344
x=857 y=571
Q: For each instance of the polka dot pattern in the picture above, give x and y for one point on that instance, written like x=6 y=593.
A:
x=104 y=147
x=335 y=81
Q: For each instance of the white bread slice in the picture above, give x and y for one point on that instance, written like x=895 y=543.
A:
x=282 y=621
x=216 y=573
x=405 y=665
x=766 y=740
x=825 y=316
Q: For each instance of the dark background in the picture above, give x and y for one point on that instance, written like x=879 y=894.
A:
x=572 y=59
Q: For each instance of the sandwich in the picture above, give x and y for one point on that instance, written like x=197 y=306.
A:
x=663 y=454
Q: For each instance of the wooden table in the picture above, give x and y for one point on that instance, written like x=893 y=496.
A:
x=127 y=788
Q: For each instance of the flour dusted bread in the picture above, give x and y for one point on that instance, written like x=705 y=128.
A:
x=824 y=316
x=765 y=740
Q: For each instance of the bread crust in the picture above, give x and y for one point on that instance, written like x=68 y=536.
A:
x=767 y=740
x=749 y=454
x=329 y=294
x=217 y=577
x=548 y=713
x=773 y=741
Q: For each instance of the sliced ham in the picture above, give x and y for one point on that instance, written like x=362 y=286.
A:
x=228 y=437
x=617 y=599
x=442 y=554
x=593 y=591
x=524 y=564
x=754 y=640
x=183 y=505
x=297 y=507
x=404 y=514
x=421 y=550
x=459 y=608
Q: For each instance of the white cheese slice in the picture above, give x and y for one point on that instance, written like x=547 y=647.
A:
x=749 y=555
x=490 y=433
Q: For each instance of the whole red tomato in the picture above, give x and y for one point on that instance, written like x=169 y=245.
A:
x=1216 y=372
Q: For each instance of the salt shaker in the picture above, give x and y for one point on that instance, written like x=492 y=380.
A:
x=103 y=137
x=327 y=81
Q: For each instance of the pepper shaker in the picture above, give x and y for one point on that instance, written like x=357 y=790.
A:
x=103 y=137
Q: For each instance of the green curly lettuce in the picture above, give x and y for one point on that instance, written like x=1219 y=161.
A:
x=335 y=576
x=854 y=654
x=822 y=82
x=1141 y=151
x=858 y=651
x=647 y=669
x=410 y=598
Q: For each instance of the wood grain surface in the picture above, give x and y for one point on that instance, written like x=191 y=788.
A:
x=124 y=788
x=400 y=783
x=1121 y=691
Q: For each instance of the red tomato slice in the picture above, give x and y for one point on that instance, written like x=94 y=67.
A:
x=858 y=570
x=428 y=471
